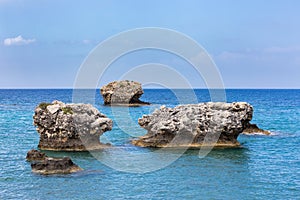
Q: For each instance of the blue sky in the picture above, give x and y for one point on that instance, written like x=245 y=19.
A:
x=255 y=44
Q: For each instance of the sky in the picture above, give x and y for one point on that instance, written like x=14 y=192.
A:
x=254 y=43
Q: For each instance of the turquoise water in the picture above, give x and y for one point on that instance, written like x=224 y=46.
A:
x=266 y=167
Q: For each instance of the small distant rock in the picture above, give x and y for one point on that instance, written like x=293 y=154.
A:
x=253 y=129
x=35 y=155
x=70 y=127
x=195 y=125
x=55 y=166
x=124 y=93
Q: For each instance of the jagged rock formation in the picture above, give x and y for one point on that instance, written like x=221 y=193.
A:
x=195 y=125
x=55 y=166
x=70 y=127
x=254 y=129
x=125 y=93
x=35 y=155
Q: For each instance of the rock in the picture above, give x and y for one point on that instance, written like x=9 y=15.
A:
x=70 y=127
x=42 y=164
x=35 y=155
x=55 y=166
x=253 y=129
x=125 y=93
x=195 y=125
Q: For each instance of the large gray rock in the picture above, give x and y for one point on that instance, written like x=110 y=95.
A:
x=70 y=127
x=126 y=93
x=195 y=125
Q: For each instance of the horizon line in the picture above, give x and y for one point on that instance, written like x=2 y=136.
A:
x=201 y=88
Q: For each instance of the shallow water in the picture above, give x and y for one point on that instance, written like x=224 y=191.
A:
x=266 y=167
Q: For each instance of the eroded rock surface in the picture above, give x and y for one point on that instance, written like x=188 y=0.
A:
x=70 y=127
x=35 y=155
x=55 y=166
x=195 y=125
x=125 y=93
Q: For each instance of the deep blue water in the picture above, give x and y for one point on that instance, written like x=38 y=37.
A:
x=266 y=167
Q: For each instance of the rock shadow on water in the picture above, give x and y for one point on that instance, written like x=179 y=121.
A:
x=237 y=153
x=79 y=174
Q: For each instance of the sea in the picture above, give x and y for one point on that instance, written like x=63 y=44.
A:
x=264 y=167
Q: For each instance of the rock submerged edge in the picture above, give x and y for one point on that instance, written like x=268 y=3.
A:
x=252 y=129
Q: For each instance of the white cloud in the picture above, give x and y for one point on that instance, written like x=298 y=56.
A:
x=86 y=41
x=89 y=42
x=17 y=41
x=290 y=49
x=227 y=55
x=258 y=54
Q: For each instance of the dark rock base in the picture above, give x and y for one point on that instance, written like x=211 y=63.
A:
x=55 y=166
x=163 y=142
x=71 y=145
x=136 y=104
